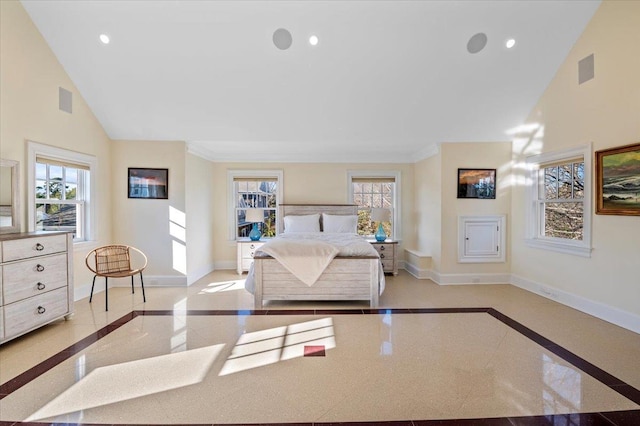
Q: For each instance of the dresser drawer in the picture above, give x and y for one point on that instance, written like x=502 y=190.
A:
x=35 y=311
x=386 y=249
x=246 y=264
x=387 y=265
x=249 y=249
x=1 y=323
x=32 y=247
x=32 y=277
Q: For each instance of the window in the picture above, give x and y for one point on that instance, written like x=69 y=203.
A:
x=254 y=189
x=559 y=216
x=375 y=190
x=60 y=191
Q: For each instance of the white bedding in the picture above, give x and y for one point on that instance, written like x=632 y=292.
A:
x=347 y=245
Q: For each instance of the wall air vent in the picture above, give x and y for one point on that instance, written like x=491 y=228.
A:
x=585 y=69
x=65 y=100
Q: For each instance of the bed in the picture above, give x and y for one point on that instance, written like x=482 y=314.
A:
x=353 y=274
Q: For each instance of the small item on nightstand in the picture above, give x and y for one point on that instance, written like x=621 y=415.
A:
x=255 y=216
x=380 y=215
x=255 y=233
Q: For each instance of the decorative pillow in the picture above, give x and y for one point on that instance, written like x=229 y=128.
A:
x=345 y=224
x=302 y=223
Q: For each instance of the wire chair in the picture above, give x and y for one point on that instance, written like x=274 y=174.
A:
x=114 y=261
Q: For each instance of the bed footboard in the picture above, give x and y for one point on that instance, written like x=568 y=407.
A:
x=346 y=278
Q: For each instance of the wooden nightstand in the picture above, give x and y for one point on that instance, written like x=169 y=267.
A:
x=246 y=250
x=388 y=251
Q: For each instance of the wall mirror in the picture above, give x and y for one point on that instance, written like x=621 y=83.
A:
x=9 y=197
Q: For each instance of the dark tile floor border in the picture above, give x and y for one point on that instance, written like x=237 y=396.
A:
x=617 y=418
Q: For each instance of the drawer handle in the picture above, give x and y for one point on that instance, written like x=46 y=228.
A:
x=252 y=246
x=39 y=268
x=253 y=254
x=40 y=286
x=41 y=310
x=381 y=248
x=381 y=255
x=39 y=247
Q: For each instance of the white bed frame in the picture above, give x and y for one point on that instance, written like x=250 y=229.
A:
x=346 y=278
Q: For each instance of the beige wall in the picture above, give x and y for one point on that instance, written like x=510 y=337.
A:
x=472 y=155
x=146 y=223
x=30 y=76
x=317 y=183
x=428 y=212
x=604 y=111
x=199 y=204
x=438 y=208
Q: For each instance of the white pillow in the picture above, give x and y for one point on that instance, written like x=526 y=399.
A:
x=302 y=223
x=345 y=224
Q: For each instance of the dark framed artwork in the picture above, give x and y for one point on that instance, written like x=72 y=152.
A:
x=477 y=183
x=148 y=183
x=618 y=180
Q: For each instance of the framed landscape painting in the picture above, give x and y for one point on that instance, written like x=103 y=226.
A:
x=618 y=180
x=148 y=183
x=477 y=183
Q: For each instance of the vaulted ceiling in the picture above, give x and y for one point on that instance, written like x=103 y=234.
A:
x=386 y=82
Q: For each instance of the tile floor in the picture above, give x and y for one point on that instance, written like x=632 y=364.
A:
x=484 y=354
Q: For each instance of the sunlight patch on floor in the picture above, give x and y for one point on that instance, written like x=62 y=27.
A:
x=265 y=347
x=134 y=379
x=218 y=287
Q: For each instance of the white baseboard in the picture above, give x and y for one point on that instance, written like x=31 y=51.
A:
x=608 y=313
x=226 y=265
x=421 y=274
x=456 y=279
x=83 y=291
x=464 y=279
x=605 y=312
x=201 y=272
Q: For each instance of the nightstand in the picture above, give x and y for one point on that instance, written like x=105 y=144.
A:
x=246 y=250
x=388 y=251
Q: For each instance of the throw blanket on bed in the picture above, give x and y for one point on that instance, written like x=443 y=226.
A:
x=305 y=259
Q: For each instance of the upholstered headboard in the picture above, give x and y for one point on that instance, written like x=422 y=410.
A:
x=302 y=209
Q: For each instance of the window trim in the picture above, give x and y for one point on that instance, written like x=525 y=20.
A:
x=397 y=210
x=533 y=236
x=231 y=202
x=35 y=149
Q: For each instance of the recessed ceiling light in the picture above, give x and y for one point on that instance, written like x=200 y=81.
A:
x=282 y=39
x=477 y=43
x=313 y=40
x=510 y=43
x=104 y=38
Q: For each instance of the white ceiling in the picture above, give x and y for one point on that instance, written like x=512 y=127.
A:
x=386 y=83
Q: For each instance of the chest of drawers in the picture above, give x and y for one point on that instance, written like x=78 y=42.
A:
x=246 y=251
x=36 y=281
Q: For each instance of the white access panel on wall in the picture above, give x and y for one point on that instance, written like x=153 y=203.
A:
x=481 y=239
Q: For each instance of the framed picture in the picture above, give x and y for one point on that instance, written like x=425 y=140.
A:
x=618 y=180
x=477 y=183
x=148 y=183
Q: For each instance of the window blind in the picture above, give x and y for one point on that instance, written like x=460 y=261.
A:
x=255 y=179
x=63 y=163
x=383 y=179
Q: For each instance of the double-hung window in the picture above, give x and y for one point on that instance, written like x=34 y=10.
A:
x=60 y=191
x=560 y=209
x=254 y=189
x=375 y=189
